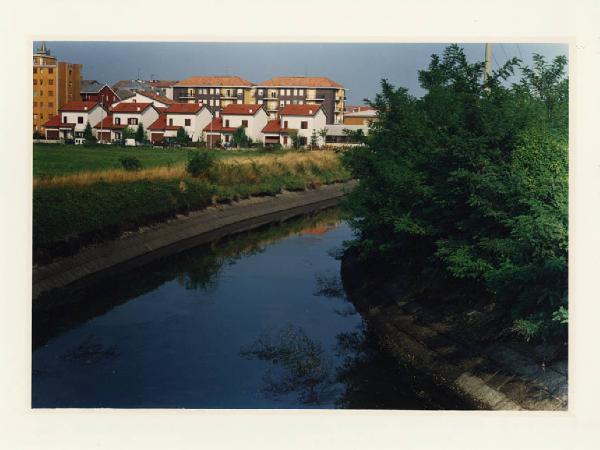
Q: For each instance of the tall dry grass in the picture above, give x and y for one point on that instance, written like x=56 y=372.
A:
x=227 y=171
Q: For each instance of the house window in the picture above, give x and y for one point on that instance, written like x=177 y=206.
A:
x=50 y=93
x=285 y=124
x=50 y=105
x=287 y=102
x=51 y=82
x=217 y=102
x=295 y=91
x=304 y=124
x=34 y=70
x=239 y=102
x=34 y=82
x=188 y=122
x=212 y=91
x=240 y=92
x=281 y=103
x=227 y=123
x=260 y=102
x=295 y=102
x=217 y=91
x=282 y=92
x=285 y=140
x=117 y=121
x=41 y=93
x=170 y=122
x=260 y=92
x=301 y=102
x=289 y=92
x=80 y=119
x=227 y=138
x=300 y=91
x=64 y=119
x=244 y=123
x=302 y=140
x=132 y=121
x=50 y=70
x=273 y=94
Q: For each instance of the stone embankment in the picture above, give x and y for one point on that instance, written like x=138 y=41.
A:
x=492 y=376
x=163 y=239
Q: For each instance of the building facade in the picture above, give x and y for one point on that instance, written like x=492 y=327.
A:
x=55 y=83
x=300 y=119
x=278 y=92
x=72 y=119
x=191 y=117
x=216 y=92
x=92 y=91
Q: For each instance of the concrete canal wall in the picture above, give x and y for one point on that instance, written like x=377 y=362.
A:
x=163 y=239
x=491 y=376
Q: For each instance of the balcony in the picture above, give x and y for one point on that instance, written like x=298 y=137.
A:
x=186 y=96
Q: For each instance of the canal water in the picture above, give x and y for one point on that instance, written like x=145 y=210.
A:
x=258 y=320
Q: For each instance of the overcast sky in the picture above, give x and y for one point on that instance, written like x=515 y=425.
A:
x=359 y=67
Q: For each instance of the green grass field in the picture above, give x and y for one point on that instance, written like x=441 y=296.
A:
x=57 y=159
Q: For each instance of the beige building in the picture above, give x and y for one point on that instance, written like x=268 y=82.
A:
x=55 y=83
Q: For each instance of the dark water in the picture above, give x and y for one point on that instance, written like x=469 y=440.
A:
x=259 y=320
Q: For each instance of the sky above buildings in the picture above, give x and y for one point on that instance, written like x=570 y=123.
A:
x=359 y=67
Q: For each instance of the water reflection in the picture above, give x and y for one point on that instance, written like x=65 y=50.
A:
x=299 y=365
x=195 y=269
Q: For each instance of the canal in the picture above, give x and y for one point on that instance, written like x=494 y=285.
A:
x=258 y=320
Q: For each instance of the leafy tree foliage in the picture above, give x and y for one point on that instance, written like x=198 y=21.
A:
x=469 y=184
x=239 y=138
x=182 y=136
x=88 y=134
x=140 y=133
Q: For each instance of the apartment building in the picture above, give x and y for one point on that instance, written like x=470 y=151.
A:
x=54 y=84
x=360 y=116
x=216 y=92
x=163 y=87
x=278 y=92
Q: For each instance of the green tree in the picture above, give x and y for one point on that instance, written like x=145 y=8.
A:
x=182 y=136
x=323 y=135
x=127 y=133
x=468 y=185
x=295 y=138
x=88 y=134
x=314 y=140
x=239 y=138
x=140 y=134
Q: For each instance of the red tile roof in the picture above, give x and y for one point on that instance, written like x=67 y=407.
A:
x=184 y=108
x=78 y=106
x=54 y=122
x=273 y=126
x=216 y=125
x=107 y=124
x=214 y=81
x=130 y=107
x=161 y=83
x=161 y=109
x=301 y=82
x=161 y=124
x=243 y=109
x=157 y=97
x=299 y=110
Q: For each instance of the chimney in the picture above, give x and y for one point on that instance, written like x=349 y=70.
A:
x=137 y=108
x=310 y=111
x=85 y=108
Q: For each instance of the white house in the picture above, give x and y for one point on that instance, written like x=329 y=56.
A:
x=301 y=119
x=125 y=115
x=72 y=118
x=192 y=117
x=147 y=97
x=250 y=116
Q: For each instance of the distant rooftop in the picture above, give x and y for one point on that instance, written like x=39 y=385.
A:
x=301 y=82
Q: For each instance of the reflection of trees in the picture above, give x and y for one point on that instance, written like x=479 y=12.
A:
x=300 y=365
x=90 y=351
x=197 y=269
x=329 y=286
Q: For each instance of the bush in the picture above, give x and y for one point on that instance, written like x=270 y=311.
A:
x=131 y=163
x=468 y=186
x=200 y=163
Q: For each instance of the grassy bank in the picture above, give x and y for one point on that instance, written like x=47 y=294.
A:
x=73 y=210
x=59 y=159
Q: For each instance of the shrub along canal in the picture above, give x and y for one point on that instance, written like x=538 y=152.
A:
x=258 y=320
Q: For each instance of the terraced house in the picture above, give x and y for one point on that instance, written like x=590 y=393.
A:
x=72 y=119
x=278 y=92
x=216 y=92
